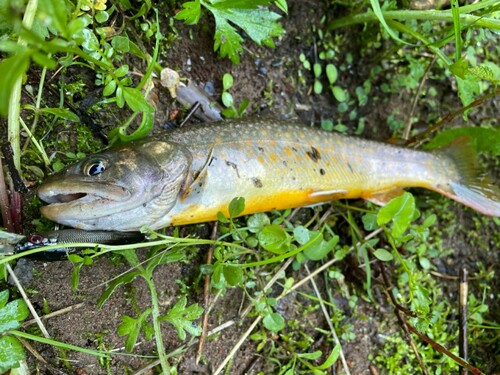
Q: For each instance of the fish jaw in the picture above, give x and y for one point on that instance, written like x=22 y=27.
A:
x=81 y=200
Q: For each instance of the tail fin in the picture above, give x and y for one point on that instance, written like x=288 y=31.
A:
x=473 y=188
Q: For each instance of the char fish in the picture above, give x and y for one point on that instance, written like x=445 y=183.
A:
x=191 y=173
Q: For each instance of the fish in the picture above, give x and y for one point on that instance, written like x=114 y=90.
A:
x=190 y=174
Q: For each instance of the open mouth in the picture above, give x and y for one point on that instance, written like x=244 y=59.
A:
x=78 y=192
x=76 y=200
x=63 y=198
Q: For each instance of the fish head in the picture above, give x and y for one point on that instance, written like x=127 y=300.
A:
x=120 y=189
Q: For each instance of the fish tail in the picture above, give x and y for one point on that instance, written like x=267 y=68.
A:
x=471 y=188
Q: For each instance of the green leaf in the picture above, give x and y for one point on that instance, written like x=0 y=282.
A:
x=310 y=356
x=486 y=140
x=164 y=257
x=236 y=206
x=222 y=218
x=122 y=70
x=430 y=221
x=257 y=221
x=383 y=255
x=191 y=12
x=468 y=88
x=401 y=211
x=243 y=106
x=121 y=44
x=318 y=87
x=227 y=99
x=123 y=279
x=301 y=234
x=101 y=16
x=12 y=314
x=319 y=248
x=369 y=221
x=317 y=70
x=75 y=276
x=142 y=131
x=130 y=256
x=233 y=274
x=258 y=23
x=181 y=317
x=54 y=12
x=274 y=238
x=11 y=69
x=331 y=73
x=274 y=322
x=339 y=93
x=11 y=353
x=76 y=26
x=378 y=13
x=227 y=81
x=62 y=113
x=425 y=263
x=332 y=358
x=109 y=88
x=4 y=297
x=217 y=279
x=44 y=60
x=131 y=327
x=488 y=70
x=459 y=68
x=282 y=5
x=134 y=99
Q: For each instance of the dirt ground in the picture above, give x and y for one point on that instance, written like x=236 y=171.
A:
x=192 y=55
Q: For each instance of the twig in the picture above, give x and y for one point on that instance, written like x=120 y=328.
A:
x=462 y=326
x=451 y=116
x=327 y=316
x=237 y=345
x=33 y=351
x=190 y=114
x=440 y=348
x=4 y=202
x=401 y=318
x=206 y=300
x=26 y=299
x=54 y=314
x=407 y=129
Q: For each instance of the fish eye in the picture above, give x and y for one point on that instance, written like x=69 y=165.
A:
x=94 y=168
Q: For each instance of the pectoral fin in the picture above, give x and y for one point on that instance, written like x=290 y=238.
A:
x=327 y=195
x=197 y=178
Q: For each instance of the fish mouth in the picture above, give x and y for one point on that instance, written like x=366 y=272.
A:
x=81 y=201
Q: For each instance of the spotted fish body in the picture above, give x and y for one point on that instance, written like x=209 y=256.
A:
x=272 y=164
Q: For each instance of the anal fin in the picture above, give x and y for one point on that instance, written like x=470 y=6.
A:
x=382 y=198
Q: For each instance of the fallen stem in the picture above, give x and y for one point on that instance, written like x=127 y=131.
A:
x=426 y=15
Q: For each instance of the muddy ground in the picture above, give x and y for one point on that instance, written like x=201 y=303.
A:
x=191 y=54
